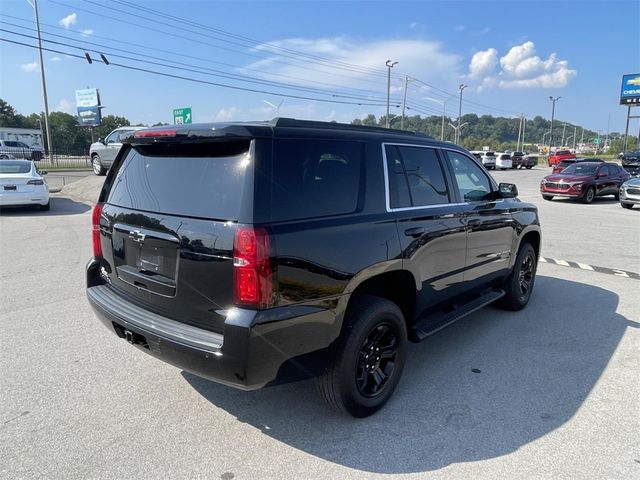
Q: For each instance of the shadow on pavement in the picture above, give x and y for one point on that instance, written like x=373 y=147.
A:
x=532 y=370
x=59 y=206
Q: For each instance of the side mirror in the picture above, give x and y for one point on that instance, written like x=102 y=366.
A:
x=508 y=190
x=101 y=140
x=43 y=172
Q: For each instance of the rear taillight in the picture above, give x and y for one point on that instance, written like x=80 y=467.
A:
x=97 y=247
x=35 y=182
x=252 y=273
x=155 y=133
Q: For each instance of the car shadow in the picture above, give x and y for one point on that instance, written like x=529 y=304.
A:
x=482 y=388
x=59 y=206
x=604 y=200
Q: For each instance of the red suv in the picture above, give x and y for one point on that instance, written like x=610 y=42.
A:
x=560 y=166
x=584 y=180
x=560 y=155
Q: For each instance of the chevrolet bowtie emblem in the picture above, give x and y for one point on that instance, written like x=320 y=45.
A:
x=137 y=236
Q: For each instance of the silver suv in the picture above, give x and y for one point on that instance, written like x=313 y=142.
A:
x=103 y=152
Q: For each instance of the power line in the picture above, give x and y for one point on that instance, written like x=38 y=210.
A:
x=195 y=80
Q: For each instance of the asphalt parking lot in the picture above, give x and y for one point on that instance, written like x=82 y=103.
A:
x=551 y=391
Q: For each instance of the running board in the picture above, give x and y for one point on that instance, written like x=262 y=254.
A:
x=433 y=324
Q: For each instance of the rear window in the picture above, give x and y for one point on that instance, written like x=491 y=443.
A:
x=195 y=180
x=14 y=167
x=315 y=178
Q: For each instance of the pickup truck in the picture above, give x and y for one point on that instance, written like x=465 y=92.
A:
x=560 y=155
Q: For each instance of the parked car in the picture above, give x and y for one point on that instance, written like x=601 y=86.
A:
x=631 y=162
x=560 y=166
x=257 y=253
x=560 y=155
x=103 y=152
x=21 y=184
x=630 y=193
x=503 y=161
x=20 y=150
x=584 y=180
x=522 y=159
x=488 y=160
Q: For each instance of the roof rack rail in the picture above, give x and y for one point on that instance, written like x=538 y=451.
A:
x=294 y=123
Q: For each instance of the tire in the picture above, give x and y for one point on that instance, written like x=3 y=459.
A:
x=616 y=196
x=96 y=165
x=547 y=197
x=45 y=208
x=350 y=384
x=589 y=195
x=520 y=282
x=529 y=167
x=626 y=205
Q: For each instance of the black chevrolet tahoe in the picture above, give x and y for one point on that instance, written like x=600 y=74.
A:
x=259 y=253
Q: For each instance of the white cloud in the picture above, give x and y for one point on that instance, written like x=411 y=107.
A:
x=69 y=20
x=86 y=32
x=64 y=105
x=55 y=59
x=227 y=114
x=483 y=63
x=30 y=67
x=520 y=68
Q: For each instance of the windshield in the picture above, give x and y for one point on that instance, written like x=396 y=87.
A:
x=14 y=167
x=578 y=169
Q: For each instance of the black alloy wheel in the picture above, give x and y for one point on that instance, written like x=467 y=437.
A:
x=376 y=360
x=525 y=275
x=589 y=195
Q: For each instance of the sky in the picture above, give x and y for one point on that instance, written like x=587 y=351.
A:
x=512 y=55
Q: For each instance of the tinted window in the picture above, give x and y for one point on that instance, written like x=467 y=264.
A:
x=415 y=174
x=581 y=169
x=10 y=143
x=315 y=178
x=14 y=167
x=473 y=184
x=198 y=180
x=113 y=137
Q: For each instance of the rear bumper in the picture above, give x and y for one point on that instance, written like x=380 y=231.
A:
x=256 y=349
x=26 y=198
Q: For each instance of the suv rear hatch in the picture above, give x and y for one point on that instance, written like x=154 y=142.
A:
x=168 y=224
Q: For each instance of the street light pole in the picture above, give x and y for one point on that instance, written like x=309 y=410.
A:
x=44 y=82
x=524 y=127
x=404 y=101
x=389 y=65
x=564 y=129
x=544 y=135
x=575 y=129
x=461 y=87
x=553 y=111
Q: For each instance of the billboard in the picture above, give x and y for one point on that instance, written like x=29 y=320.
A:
x=88 y=105
x=630 y=92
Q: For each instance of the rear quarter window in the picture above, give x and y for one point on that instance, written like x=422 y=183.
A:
x=315 y=178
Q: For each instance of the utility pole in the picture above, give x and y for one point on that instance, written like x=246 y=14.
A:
x=524 y=127
x=444 y=106
x=553 y=111
x=404 y=101
x=389 y=65
x=44 y=82
x=582 y=137
x=575 y=129
x=461 y=87
x=519 y=130
x=564 y=129
x=606 y=140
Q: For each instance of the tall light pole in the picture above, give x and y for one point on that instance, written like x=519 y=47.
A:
x=519 y=132
x=524 y=127
x=404 y=101
x=461 y=87
x=564 y=129
x=553 y=111
x=545 y=134
x=44 y=82
x=575 y=129
x=389 y=65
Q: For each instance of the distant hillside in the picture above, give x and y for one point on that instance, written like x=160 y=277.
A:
x=499 y=133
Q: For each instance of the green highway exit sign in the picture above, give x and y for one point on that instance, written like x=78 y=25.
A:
x=182 y=115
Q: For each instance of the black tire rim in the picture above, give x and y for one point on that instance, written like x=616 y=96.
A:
x=96 y=165
x=525 y=276
x=590 y=195
x=376 y=360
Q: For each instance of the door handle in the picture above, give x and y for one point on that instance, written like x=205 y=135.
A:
x=474 y=222
x=414 y=232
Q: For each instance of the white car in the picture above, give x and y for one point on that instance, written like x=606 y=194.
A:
x=21 y=184
x=503 y=161
x=488 y=160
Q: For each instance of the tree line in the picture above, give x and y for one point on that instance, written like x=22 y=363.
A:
x=498 y=133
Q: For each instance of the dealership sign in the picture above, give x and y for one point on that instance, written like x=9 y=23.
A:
x=630 y=93
x=89 y=108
